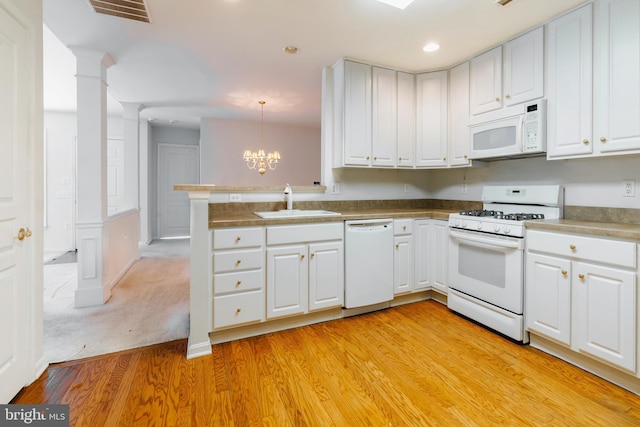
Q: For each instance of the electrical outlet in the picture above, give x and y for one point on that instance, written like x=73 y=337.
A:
x=464 y=188
x=629 y=188
x=234 y=197
x=335 y=188
x=406 y=188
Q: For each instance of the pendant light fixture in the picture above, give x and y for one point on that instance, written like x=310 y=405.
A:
x=258 y=159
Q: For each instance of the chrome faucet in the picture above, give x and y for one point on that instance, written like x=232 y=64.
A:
x=288 y=195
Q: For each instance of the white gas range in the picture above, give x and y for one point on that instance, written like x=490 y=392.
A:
x=486 y=254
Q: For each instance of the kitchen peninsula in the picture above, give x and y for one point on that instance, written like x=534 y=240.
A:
x=233 y=238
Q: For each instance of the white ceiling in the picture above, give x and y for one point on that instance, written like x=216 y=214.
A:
x=218 y=58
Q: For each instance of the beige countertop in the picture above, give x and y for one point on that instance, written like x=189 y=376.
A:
x=241 y=219
x=604 y=229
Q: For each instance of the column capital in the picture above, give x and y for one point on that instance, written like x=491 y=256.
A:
x=131 y=110
x=91 y=63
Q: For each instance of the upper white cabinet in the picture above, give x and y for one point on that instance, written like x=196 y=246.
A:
x=616 y=82
x=606 y=120
x=459 y=115
x=352 y=114
x=431 y=119
x=384 y=117
x=569 y=85
x=523 y=69
x=406 y=147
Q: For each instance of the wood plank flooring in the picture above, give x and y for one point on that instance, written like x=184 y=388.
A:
x=413 y=365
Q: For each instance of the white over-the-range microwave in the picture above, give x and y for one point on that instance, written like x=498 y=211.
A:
x=515 y=131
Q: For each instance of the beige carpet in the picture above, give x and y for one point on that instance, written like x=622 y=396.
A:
x=149 y=305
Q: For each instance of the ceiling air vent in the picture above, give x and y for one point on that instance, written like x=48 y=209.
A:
x=127 y=9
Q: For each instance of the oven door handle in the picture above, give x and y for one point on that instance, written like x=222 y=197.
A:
x=483 y=242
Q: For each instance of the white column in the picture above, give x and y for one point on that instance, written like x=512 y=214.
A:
x=145 y=134
x=131 y=120
x=91 y=170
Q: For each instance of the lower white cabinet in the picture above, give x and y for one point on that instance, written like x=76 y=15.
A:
x=420 y=255
x=431 y=238
x=581 y=293
x=238 y=276
x=305 y=268
x=403 y=256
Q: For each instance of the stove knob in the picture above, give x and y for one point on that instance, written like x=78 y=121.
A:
x=496 y=228
x=507 y=229
x=479 y=226
x=464 y=224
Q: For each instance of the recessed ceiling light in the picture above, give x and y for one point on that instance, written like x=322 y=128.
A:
x=291 y=50
x=431 y=47
x=400 y=4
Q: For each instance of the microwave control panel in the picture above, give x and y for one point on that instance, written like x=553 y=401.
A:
x=535 y=134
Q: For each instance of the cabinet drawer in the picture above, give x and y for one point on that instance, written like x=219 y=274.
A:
x=402 y=226
x=303 y=233
x=247 y=259
x=236 y=309
x=602 y=251
x=244 y=237
x=226 y=283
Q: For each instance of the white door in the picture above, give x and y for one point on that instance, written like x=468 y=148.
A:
x=431 y=119
x=14 y=194
x=177 y=164
x=287 y=281
x=385 y=115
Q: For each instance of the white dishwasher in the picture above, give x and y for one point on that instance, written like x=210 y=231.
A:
x=368 y=262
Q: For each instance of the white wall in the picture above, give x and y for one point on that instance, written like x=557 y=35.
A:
x=224 y=142
x=588 y=182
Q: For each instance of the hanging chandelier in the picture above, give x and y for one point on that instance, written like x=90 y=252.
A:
x=258 y=159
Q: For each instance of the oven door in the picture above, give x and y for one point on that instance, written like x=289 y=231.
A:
x=487 y=267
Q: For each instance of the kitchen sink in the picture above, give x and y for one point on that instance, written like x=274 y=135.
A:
x=295 y=213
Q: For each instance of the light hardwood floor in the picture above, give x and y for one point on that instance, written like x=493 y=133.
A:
x=413 y=365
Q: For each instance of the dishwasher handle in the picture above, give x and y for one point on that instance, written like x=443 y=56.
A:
x=369 y=225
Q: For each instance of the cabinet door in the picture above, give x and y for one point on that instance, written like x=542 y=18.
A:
x=605 y=313
x=440 y=256
x=548 y=297
x=423 y=246
x=459 y=115
x=287 y=280
x=406 y=120
x=616 y=83
x=384 y=117
x=486 y=81
x=569 y=86
x=357 y=114
x=403 y=264
x=431 y=116
x=524 y=68
x=326 y=275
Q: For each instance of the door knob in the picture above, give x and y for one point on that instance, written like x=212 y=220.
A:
x=21 y=234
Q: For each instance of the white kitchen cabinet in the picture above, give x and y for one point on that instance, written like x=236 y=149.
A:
x=581 y=293
x=522 y=66
x=305 y=268
x=326 y=275
x=352 y=114
x=431 y=119
x=384 y=117
x=458 y=144
x=406 y=141
x=616 y=82
x=431 y=238
x=486 y=81
x=403 y=258
x=569 y=85
x=238 y=276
